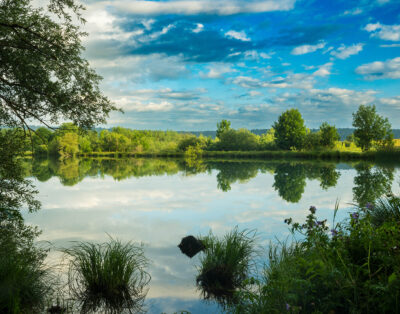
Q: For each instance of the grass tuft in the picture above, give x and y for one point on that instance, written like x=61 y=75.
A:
x=109 y=276
x=225 y=264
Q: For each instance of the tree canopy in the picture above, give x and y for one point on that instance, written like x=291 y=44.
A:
x=43 y=79
x=43 y=75
x=290 y=130
x=371 y=127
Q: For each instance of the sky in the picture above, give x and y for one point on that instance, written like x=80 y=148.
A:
x=186 y=65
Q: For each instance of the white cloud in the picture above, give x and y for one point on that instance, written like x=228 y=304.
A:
x=389 y=69
x=324 y=70
x=344 y=52
x=301 y=50
x=390 y=46
x=192 y=7
x=237 y=35
x=127 y=104
x=355 y=11
x=199 y=28
x=291 y=80
x=385 y=32
x=217 y=71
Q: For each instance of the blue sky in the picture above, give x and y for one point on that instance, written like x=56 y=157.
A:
x=185 y=65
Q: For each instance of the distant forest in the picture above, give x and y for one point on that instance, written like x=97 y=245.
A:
x=343 y=132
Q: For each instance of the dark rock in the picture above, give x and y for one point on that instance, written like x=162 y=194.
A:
x=190 y=246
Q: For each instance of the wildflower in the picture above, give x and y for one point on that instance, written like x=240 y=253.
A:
x=369 y=206
x=313 y=209
x=287 y=307
x=355 y=216
x=334 y=232
x=288 y=221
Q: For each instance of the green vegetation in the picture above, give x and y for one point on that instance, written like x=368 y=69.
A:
x=109 y=276
x=25 y=282
x=290 y=131
x=351 y=267
x=371 y=127
x=225 y=264
x=288 y=138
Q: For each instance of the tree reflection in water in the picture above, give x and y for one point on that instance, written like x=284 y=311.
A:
x=290 y=177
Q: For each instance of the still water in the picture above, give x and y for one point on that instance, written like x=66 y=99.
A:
x=158 y=201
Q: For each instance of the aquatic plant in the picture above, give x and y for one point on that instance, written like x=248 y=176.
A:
x=109 y=276
x=225 y=264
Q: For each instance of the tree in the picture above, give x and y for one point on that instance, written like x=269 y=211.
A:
x=290 y=131
x=43 y=78
x=329 y=135
x=371 y=127
x=223 y=126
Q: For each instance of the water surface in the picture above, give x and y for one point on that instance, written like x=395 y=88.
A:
x=158 y=201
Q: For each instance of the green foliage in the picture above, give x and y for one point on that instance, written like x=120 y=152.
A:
x=109 y=276
x=371 y=127
x=267 y=140
x=384 y=210
x=223 y=126
x=237 y=140
x=225 y=264
x=25 y=283
x=329 y=135
x=353 y=268
x=44 y=76
x=290 y=131
x=15 y=190
x=65 y=145
x=312 y=140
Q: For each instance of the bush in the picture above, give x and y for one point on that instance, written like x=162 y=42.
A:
x=109 y=276
x=225 y=265
x=353 y=268
x=238 y=140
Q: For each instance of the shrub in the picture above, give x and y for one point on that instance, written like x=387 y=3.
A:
x=353 y=268
x=234 y=140
x=109 y=276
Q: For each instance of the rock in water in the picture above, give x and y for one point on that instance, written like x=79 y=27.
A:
x=190 y=246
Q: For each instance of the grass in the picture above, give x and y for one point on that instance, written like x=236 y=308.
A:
x=225 y=264
x=384 y=210
x=111 y=276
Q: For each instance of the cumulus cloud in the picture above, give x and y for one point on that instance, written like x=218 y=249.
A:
x=237 y=35
x=385 y=32
x=344 y=52
x=324 y=70
x=194 y=7
x=291 y=80
x=217 y=70
x=128 y=104
x=303 y=49
x=389 y=69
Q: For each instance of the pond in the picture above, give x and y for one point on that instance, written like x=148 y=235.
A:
x=159 y=201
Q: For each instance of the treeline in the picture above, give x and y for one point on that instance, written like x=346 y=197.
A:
x=289 y=132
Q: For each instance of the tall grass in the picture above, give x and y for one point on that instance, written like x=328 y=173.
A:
x=385 y=209
x=225 y=264
x=110 y=276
